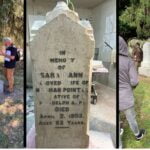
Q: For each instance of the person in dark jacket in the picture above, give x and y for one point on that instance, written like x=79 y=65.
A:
x=9 y=63
x=128 y=80
x=137 y=55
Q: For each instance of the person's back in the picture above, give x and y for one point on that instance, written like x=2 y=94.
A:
x=128 y=77
x=137 y=56
x=137 y=53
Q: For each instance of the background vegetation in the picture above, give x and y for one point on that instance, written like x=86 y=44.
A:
x=11 y=106
x=134 y=18
x=11 y=20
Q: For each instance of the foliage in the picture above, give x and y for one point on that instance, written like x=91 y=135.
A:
x=125 y=32
x=134 y=18
x=11 y=19
x=70 y=4
x=123 y=4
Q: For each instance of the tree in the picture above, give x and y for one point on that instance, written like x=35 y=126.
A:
x=134 y=18
x=12 y=20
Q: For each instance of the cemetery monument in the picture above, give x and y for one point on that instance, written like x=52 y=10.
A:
x=61 y=54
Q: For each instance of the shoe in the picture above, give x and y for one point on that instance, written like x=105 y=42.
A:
x=141 y=134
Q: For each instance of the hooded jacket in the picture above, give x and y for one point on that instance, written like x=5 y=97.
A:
x=128 y=77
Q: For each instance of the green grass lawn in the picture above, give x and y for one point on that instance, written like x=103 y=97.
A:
x=142 y=107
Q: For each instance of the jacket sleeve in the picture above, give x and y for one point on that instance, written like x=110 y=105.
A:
x=133 y=75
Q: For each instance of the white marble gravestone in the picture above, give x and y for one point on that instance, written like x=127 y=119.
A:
x=61 y=55
x=145 y=65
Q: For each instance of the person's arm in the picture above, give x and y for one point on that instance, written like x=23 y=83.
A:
x=133 y=74
x=8 y=56
x=1 y=53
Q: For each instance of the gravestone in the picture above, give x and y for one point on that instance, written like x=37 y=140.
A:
x=61 y=55
x=145 y=65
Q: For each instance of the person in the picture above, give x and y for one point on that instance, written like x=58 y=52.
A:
x=128 y=80
x=137 y=55
x=9 y=62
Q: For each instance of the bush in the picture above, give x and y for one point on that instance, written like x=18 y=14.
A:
x=126 y=31
x=134 y=20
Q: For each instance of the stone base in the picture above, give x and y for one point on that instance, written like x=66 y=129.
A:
x=144 y=71
x=97 y=139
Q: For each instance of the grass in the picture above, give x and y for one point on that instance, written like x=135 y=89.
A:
x=142 y=107
x=11 y=113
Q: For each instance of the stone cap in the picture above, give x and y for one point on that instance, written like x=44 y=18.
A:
x=61 y=8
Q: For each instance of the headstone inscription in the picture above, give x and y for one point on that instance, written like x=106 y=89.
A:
x=61 y=55
x=145 y=65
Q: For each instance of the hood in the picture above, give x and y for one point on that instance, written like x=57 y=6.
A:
x=123 y=47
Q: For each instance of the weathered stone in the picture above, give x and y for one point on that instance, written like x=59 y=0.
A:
x=61 y=55
x=145 y=66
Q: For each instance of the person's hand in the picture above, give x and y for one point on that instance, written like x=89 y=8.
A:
x=2 y=53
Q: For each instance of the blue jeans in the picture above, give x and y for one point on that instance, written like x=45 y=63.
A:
x=131 y=118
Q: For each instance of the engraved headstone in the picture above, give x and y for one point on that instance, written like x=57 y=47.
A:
x=61 y=55
x=145 y=65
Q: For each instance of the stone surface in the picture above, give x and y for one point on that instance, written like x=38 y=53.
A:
x=145 y=65
x=102 y=115
x=61 y=55
x=97 y=139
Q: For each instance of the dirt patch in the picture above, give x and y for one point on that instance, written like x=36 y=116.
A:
x=144 y=79
x=11 y=112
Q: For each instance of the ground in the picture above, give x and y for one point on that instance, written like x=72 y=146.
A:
x=11 y=112
x=142 y=107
